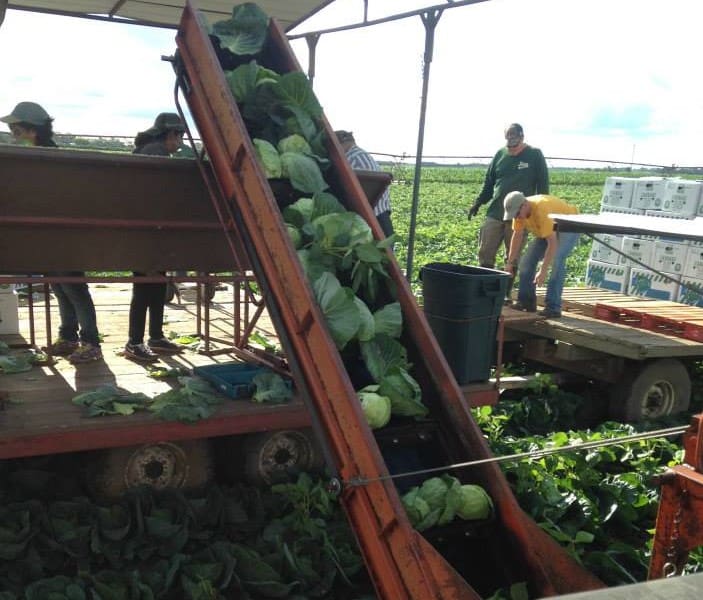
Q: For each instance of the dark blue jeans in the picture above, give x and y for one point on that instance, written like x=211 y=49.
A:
x=146 y=297
x=76 y=309
x=527 y=293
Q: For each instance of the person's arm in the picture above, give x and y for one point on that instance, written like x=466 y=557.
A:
x=552 y=244
x=486 y=192
x=514 y=251
x=542 y=179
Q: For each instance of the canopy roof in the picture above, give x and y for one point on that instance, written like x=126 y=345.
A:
x=678 y=229
x=166 y=13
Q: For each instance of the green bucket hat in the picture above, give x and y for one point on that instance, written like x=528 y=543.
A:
x=27 y=112
x=165 y=122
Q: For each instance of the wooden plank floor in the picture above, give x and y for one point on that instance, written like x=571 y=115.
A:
x=577 y=326
x=39 y=418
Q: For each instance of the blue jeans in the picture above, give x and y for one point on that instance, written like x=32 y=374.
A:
x=527 y=294
x=76 y=309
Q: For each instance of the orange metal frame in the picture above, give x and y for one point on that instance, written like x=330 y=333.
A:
x=679 y=526
x=401 y=563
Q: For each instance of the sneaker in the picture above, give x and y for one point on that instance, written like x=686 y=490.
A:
x=86 y=353
x=524 y=307
x=62 y=347
x=140 y=353
x=164 y=346
x=550 y=313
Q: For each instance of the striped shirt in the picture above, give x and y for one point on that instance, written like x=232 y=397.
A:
x=363 y=161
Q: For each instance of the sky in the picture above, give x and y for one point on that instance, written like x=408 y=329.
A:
x=610 y=80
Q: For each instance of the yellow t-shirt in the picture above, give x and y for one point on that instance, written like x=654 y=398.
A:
x=542 y=205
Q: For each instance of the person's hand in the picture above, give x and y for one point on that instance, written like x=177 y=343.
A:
x=472 y=212
x=509 y=267
x=540 y=278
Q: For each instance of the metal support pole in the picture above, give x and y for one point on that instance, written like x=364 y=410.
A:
x=429 y=20
x=311 y=41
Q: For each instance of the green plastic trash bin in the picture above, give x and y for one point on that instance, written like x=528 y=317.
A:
x=462 y=305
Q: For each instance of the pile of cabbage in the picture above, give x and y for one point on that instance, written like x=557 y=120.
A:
x=440 y=499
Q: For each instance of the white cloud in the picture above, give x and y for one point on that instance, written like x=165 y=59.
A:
x=586 y=78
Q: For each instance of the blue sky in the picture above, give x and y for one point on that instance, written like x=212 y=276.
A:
x=600 y=79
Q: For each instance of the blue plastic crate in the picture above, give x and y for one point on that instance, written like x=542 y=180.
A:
x=232 y=379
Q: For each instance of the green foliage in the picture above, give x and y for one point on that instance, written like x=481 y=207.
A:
x=600 y=504
x=236 y=542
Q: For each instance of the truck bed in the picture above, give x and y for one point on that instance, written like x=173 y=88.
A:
x=580 y=327
x=37 y=415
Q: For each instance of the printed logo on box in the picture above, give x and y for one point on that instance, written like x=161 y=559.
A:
x=691 y=292
x=648 y=284
x=606 y=276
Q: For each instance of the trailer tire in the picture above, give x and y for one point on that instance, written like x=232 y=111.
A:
x=276 y=456
x=178 y=465
x=658 y=388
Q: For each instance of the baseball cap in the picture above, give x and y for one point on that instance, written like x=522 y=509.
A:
x=27 y=112
x=166 y=122
x=512 y=203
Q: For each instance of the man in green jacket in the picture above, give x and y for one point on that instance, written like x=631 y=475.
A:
x=516 y=167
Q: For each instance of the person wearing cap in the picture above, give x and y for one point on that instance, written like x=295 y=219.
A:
x=515 y=167
x=164 y=138
x=552 y=247
x=363 y=161
x=31 y=124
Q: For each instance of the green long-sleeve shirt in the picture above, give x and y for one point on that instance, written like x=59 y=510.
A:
x=526 y=173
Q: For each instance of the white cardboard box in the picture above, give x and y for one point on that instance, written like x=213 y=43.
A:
x=621 y=210
x=693 y=266
x=603 y=253
x=691 y=292
x=669 y=257
x=648 y=193
x=681 y=196
x=617 y=192
x=648 y=284
x=9 y=319
x=606 y=276
x=641 y=250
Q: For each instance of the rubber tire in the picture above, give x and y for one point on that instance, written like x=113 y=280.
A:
x=655 y=389
x=189 y=465
x=278 y=456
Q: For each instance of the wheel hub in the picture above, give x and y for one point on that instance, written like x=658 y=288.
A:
x=659 y=400
x=282 y=452
x=158 y=465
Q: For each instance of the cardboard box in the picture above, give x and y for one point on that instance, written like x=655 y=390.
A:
x=659 y=214
x=691 y=292
x=640 y=250
x=621 y=210
x=648 y=193
x=606 y=276
x=9 y=318
x=669 y=257
x=617 y=192
x=693 y=267
x=682 y=196
x=648 y=284
x=607 y=254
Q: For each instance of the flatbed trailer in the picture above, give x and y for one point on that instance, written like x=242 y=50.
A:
x=627 y=342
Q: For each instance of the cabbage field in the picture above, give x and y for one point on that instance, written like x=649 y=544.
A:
x=600 y=504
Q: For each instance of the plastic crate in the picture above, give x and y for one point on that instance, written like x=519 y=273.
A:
x=232 y=379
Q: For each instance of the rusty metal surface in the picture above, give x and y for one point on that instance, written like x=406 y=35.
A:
x=70 y=210
x=400 y=562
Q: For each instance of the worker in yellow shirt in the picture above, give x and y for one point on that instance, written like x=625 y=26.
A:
x=552 y=247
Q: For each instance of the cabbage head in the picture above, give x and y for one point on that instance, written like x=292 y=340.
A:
x=294 y=143
x=475 y=503
x=377 y=408
x=268 y=158
x=295 y=236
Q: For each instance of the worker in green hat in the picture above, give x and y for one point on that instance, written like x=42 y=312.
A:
x=30 y=124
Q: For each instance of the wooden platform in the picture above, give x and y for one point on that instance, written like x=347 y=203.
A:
x=578 y=326
x=39 y=418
